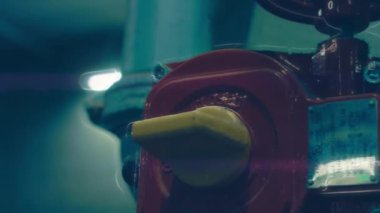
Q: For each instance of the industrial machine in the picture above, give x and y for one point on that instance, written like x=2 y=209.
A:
x=235 y=130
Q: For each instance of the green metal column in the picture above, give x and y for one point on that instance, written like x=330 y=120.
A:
x=164 y=31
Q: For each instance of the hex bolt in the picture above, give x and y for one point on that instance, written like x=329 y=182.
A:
x=160 y=71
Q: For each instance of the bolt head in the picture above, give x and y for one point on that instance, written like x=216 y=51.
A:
x=371 y=103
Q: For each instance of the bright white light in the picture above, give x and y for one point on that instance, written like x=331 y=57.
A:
x=103 y=81
x=100 y=80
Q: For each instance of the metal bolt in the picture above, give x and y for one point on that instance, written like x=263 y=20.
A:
x=372 y=72
x=160 y=71
x=371 y=103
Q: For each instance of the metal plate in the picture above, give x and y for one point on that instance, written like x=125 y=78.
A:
x=343 y=143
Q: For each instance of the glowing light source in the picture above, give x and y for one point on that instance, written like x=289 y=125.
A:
x=100 y=80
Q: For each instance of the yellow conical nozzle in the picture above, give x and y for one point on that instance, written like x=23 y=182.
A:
x=205 y=147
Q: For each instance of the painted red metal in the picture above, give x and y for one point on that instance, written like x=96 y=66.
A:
x=266 y=96
x=271 y=92
x=265 y=92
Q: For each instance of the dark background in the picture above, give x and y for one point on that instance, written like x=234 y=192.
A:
x=52 y=159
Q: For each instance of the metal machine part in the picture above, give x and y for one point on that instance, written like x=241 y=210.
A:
x=205 y=147
x=287 y=127
x=313 y=121
x=343 y=143
x=246 y=83
x=329 y=16
x=338 y=67
x=312 y=118
x=153 y=47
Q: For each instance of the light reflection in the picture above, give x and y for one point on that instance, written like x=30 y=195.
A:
x=100 y=80
x=346 y=171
